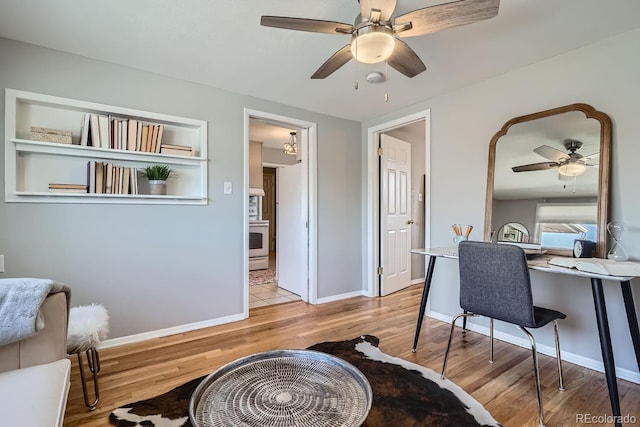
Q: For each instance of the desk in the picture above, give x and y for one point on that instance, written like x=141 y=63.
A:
x=540 y=264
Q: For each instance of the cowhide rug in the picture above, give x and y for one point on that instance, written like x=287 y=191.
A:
x=404 y=394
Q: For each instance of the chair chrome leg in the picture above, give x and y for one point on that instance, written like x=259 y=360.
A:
x=491 y=340
x=558 y=358
x=93 y=363
x=453 y=325
x=534 y=353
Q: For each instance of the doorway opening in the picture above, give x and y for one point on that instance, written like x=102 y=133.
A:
x=281 y=203
x=398 y=208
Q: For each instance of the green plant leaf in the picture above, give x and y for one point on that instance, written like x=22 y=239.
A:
x=158 y=172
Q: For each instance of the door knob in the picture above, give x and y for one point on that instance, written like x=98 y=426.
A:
x=410 y=222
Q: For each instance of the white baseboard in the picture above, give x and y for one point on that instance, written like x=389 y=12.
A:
x=341 y=297
x=129 y=339
x=596 y=365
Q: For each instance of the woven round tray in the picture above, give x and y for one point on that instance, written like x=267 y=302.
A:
x=282 y=388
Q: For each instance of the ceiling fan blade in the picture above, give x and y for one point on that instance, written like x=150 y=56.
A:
x=551 y=153
x=336 y=61
x=535 y=167
x=593 y=159
x=436 y=18
x=405 y=60
x=303 y=24
x=386 y=8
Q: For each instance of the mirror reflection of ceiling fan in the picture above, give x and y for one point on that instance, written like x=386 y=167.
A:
x=375 y=35
x=569 y=164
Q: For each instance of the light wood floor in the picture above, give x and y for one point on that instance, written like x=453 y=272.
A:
x=506 y=388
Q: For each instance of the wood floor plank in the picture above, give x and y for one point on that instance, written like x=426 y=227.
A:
x=506 y=387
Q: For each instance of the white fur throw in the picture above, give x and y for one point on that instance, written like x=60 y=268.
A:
x=88 y=325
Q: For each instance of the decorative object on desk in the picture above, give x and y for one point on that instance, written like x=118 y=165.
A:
x=403 y=394
x=599 y=266
x=617 y=252
x=528 y=248
x=50 y=135
x=583 y=248
x=459 y=238
x=513 y=232
x=157 y=176
x=459 y=234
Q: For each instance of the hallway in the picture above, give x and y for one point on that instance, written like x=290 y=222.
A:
x=263 y=287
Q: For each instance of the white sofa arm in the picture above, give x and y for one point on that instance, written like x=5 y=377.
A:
x=35 y=396
x=47 y=345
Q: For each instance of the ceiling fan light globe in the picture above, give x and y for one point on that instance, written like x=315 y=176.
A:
x=372 y=44
x=572 y=169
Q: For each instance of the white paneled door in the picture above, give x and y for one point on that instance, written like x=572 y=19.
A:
x=292 y=240
x=395 y=214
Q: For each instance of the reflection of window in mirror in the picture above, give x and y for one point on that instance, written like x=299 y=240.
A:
x=513 y=232
x=557 y=225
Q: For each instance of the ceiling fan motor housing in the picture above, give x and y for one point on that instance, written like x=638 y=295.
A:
x=572 y=144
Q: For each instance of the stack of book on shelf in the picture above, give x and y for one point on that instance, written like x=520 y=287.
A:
x=106 y=178
x=67 y=188
x=176 y=150
x=120 y=133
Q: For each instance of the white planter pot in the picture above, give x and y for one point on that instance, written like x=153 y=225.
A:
x=158 y=188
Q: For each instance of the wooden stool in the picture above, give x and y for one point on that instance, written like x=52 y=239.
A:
x=88 y=326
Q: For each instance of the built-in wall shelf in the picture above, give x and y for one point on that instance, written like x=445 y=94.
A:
x=31 y=166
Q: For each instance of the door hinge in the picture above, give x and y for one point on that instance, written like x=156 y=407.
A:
x=379 y=271
x=380 y=151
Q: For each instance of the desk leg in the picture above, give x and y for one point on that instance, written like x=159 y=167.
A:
x=605 y=347
x=423 y=302
x=631 y=318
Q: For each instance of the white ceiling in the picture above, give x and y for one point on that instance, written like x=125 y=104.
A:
x=271 y=135
x=220 y=43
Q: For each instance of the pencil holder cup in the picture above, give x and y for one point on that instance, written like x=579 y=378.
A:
x=458 y=239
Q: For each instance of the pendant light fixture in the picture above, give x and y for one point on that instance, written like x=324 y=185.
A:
x=291 y=146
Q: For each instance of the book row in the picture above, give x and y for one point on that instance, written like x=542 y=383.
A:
x=117 y=133
x=105 y=178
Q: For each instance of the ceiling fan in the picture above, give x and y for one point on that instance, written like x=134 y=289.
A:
x=569 y=164
x=375 y=34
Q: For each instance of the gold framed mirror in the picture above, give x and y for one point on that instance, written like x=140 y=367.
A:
x=550 y=172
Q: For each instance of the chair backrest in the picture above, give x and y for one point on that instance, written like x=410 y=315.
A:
x=494 y=282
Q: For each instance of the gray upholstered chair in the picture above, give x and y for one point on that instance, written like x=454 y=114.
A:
x=494 y=282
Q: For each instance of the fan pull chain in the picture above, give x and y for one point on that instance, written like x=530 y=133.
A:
x=355 y=80
x=386 y=81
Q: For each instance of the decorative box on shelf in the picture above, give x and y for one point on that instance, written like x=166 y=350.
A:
x=50 y=135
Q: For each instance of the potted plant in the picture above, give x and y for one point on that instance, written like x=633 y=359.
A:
x=157 y=176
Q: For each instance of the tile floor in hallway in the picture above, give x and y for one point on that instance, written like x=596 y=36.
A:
x=269 y=293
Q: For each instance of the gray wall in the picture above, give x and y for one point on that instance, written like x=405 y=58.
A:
x=156 y=267
x=604 y=75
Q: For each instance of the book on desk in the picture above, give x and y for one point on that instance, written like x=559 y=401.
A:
x=599 y=266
